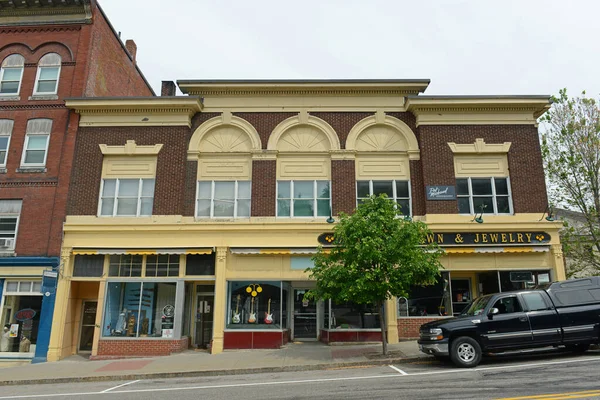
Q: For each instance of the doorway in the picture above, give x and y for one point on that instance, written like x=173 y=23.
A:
x=88 y=325
x=304 y=322
x=204 y=319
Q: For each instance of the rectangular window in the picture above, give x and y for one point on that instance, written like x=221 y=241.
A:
x=125 y=265
x=431 y=300
x=223 y=199
x=6 y=127
x=10 y=80
x=398 y=191
x=88 y=265
x=21 y=314
x=37 y=138
x=254 y=305
x=47 y=80
x=350 y=315
x=127 y=197
x=303 y=199
x=162 y=265
x=200 y=264
x=135 y=309
x=10 y=212
x=487 y=195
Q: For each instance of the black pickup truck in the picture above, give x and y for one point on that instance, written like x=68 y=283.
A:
x=563 y=313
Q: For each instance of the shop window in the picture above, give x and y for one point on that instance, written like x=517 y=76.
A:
x=487 y=195
x=88 y=266
x=125 y=265
x=162 y=265
x=398 y=191
x=6 y=127
x=37 y=139
x=524 y=279
x=254 y=305
x=139 y=309
x=353 y=316
x=48 y=73
x=200 y=264
x=223 y=199
x=11 y=72
x=303 y=199
x=127 y=197
x=10 y=212
x=20 y=316
x=431 y=300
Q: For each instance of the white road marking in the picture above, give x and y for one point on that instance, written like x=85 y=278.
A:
x=458 y=370
x=398 y=369
x=116 y=387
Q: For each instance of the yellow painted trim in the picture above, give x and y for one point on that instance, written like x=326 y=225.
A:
x=303 y=118
x=130 y=148
x=135 y=167
x=479 y=147
x=382 y=166
x=301 y=166
x=25 y=272
x=135 y=111
x=481 y=166
x=224 y=166
x=398 y=126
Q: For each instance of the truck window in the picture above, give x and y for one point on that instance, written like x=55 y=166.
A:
x=508 y=305
x=534 y=301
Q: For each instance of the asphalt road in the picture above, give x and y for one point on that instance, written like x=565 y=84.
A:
x=549 y=375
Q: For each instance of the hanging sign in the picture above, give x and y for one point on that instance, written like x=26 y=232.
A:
x=439 y=192
x=326 y=239
x=25 y=314
x=488 y=238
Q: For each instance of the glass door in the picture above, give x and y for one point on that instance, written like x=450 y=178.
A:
x=305 y=316
x=88 y=324
x=204 y=319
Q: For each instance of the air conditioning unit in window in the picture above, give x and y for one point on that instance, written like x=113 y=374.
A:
x=6 y=243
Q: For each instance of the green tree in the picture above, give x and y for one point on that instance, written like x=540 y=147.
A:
x=571 y=152
x=377 y=255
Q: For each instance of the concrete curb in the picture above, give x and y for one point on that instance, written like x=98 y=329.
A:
x=191 y=374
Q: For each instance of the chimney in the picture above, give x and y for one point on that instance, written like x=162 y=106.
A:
x=131 y=48
x=167 y=88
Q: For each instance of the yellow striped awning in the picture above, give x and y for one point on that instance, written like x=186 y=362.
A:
x=101 y=251
x=274 y=251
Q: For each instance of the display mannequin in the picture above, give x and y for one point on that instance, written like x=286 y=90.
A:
x=5 y=339
x=121 y=326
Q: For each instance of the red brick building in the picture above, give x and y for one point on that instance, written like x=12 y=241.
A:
x=49 y=51
x=192 y=219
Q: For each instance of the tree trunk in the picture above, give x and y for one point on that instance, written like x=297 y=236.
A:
x=383 y=327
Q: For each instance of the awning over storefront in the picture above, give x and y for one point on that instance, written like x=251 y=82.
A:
x=203 y=250
x=515 y=249
x=274 y=251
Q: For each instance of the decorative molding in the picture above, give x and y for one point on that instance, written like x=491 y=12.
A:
x=135 y=111
x=342 y=154
x=31 y=106
x=264 y=155
x=317 y=125
x=384 y=133
x=47 y=183
x=479 y=147
x=240 y=134
x=39 y=28
x=130 y=148
x=480 y=166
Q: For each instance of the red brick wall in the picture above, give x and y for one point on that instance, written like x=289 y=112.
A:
x=112 y=72
x=141 y=347
x=524 y=162
x=343 y=186
x=264 y=185
x=408 y=328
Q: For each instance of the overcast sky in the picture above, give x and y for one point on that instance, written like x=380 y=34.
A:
x=463 y=46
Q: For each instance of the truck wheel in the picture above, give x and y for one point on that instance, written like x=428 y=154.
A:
x=465 y=352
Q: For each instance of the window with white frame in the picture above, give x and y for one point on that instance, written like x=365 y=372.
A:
x=303 y=199
x=6 y=127
x=483 y=195
x=37 y=139
x=221 y=199
x=48 y=73
x=10 y=211
x=11 y=73
x=399 y=191
x=126 y=197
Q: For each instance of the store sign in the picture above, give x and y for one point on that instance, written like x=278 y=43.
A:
x=521 y=276
x=488 y=238
x=326 y=239
x=439 y=192
x=25 y=314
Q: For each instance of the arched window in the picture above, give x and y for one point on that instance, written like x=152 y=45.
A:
x=11 y=74
x=48 y=72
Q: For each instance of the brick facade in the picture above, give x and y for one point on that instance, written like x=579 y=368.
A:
x=140 y=347
x=408 y=328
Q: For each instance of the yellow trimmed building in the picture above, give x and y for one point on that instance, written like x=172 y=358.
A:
x=191 y=220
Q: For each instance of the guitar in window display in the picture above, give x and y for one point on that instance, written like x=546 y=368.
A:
x=236 y=315
x=252 y=318
x=269 y=315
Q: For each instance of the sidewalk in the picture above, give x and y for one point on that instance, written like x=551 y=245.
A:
x=292 y=357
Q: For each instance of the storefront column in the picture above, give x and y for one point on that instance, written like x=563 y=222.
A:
x=391 y=317
x=559 y=262
x=220 y=301
x=99 y=317
x=63 y=290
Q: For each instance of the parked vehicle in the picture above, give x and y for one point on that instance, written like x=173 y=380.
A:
x=563 y=313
